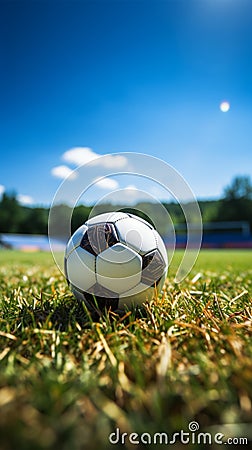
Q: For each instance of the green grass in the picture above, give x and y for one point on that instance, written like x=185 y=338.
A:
x=66 y=382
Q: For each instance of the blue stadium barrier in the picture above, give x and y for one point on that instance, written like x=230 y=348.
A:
x=215 y=240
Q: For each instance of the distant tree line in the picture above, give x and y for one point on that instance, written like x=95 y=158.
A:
x=235 y=205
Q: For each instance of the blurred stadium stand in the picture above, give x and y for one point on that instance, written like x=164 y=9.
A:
x=216 y=235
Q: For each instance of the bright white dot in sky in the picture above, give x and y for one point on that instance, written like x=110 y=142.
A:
x=225 y=106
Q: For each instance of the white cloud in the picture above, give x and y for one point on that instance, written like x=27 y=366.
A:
x=25 y=199
x=132 y=193
x=128 y=195
x=79 y=155
x=112 y=161
x=106 y=183
x=83 y=155
x=63 y=172
x=2 y=189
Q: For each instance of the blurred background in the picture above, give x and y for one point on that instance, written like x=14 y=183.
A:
x=81 y=79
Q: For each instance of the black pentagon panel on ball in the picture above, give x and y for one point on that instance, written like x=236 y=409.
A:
x=85 y=244
x=153 y=268
x=101 y=298
x=99 y=237
x=78 y=293
x=98 y=297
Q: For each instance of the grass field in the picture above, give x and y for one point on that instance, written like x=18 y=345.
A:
x=67 y=382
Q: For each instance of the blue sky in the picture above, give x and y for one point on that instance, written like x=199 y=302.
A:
x=124 y=76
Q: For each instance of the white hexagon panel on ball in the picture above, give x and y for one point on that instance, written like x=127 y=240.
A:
x=136 y=234
x=75 y=240
x=118 y=268
x=80 y=268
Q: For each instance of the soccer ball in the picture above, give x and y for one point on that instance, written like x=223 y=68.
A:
x=115 y=260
